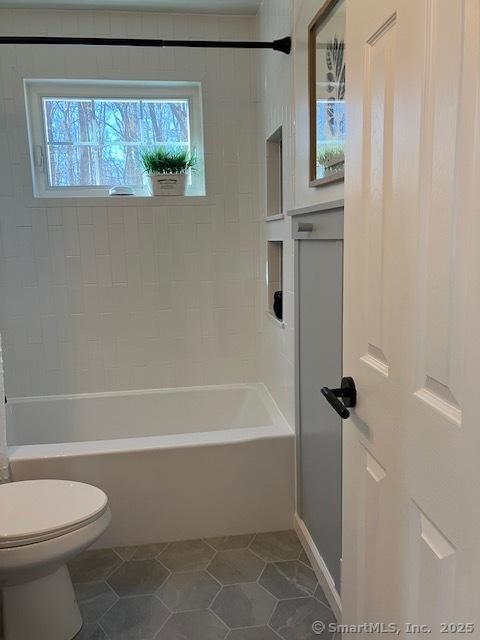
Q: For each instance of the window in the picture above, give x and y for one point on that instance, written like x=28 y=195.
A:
x=87 y=136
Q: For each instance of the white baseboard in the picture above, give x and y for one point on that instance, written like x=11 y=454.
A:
x=318 y=564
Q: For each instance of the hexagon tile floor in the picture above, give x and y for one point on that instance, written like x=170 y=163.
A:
x=248 y=587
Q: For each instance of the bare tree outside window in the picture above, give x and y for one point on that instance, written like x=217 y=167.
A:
x=98 y=141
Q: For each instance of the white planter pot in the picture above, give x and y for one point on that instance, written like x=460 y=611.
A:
x=167 y=184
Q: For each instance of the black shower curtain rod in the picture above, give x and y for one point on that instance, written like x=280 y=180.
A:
x=284 y=44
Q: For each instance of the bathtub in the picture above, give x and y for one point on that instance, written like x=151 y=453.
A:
x=175 y=463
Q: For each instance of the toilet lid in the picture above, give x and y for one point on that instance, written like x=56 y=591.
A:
x=36 y=510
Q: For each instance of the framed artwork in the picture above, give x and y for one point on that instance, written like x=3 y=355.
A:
x=326 y=88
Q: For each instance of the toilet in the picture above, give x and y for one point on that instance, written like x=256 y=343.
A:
x=43 y=525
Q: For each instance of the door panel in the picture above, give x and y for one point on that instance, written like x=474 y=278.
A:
x=375 y=291
x=375 y=487
x=440 y=334
x=441 y=412
x=411 y=313
x=432 y=560
x=377 y=155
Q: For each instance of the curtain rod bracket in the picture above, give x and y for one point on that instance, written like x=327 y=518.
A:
x=284 y=45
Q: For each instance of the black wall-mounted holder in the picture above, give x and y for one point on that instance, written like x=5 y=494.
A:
x=347 y=392
x=278 y=304
x=284 y=45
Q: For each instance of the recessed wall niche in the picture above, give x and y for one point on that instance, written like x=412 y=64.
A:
x=274 y=153
x=275 y=278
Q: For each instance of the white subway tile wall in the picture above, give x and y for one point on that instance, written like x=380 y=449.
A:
x=101 y=295
x=275 y=86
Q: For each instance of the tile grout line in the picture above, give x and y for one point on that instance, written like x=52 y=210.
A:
x=205 y=570
x=219 y=619
x=170 y=614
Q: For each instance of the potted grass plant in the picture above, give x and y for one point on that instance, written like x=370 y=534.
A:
x=168 y=170
x=331 y=159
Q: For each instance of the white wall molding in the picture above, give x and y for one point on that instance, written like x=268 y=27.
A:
x=318 y=564
x=4 y=467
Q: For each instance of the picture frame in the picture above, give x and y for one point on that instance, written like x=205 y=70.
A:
x=326 y=94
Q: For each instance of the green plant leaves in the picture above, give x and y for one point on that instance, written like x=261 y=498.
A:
x=327 y=155
x=162 y=160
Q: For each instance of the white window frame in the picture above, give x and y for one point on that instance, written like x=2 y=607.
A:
x=37 y=89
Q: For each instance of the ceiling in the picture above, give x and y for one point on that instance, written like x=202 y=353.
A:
x=174 y=6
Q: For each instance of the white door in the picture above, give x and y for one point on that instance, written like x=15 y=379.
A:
x=411 y=510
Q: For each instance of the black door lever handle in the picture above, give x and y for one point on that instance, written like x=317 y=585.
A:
x=331 y=396
x=347 y=392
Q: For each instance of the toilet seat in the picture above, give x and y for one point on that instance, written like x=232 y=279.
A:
x=37 y=510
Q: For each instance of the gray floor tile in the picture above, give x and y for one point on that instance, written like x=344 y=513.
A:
x=129 y=593
x=147 y=551
x=188 y=555
x=93 y=566
x=277 y=545
x=193 y=625
x=91 y=632
x=188 y=590
x=138 y=577
x=294 y=619
x=230 y=542
x=125 y=553
x=252 y=633
x=244 y=605
x=320 y=595
x=94 y=599
x=137 y=618
x=143 y=552
x=304 y=558
x=236 y=565
x=288 y=579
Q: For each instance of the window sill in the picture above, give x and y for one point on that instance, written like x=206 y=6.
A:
x=275 y=216
x=121 y=201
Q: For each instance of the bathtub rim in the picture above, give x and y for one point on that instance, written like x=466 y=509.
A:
x=279 y=429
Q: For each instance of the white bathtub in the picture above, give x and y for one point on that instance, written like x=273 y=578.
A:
x=175 y=463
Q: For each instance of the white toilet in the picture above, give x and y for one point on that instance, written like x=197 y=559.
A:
x=43 y=525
